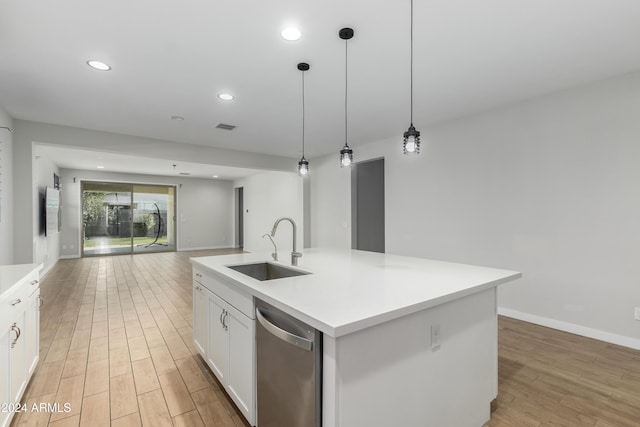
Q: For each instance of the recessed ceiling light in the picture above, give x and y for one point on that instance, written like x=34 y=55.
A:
x=100 y=167
x=291 y=34
x=225 y=96
x=177 y=118
x=98 y=65
x=215 y=176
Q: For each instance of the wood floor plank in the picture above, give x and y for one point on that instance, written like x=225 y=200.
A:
x=119 y=361
x=97 y=378
x=131 y=420
x=175 y=393
x=123 y=396
x=99 y=349
x=145 y=376
x=46 y=379
x=188 y=419
x=80 y=339
x=69 y=393
x=153 y=409
x=95 y=410
x=31 y=418
x=193 y=376
x=162 y=359
x=211 y=410
x=75 y=363
x=73 y=421
x=138 y=349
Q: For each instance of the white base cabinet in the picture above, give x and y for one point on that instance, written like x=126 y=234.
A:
x=224 y=334
x=19 y=334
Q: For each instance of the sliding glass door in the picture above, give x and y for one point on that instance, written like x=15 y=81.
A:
x=122 y=218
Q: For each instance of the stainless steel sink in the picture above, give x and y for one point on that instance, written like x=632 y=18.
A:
x=266 y=271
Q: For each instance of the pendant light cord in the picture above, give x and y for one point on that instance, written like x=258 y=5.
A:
x=411 y=62
x=303 y=114
x=346 y=68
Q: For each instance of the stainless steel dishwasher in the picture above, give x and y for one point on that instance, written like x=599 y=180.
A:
x=289 y=370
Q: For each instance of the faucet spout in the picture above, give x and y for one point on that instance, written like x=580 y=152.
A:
x=295 y=254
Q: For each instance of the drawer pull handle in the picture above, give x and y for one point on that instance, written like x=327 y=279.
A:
x=15 y=329
x=40 y=301
x=34 y=282
x=16 y=302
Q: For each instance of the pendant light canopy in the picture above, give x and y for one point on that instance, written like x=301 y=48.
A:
x=303 y=164
x=346 y=154
x=411 y=143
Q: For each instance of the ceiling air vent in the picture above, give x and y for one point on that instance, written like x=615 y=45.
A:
x=225 y=127
x=185 y=173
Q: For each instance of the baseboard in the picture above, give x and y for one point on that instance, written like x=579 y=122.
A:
x=572 y=328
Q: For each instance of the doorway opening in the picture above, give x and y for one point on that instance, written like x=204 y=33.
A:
x=367 y=206
x=239 y=209
x=122 y=218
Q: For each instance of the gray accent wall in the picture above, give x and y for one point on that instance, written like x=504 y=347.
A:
x=367 y=206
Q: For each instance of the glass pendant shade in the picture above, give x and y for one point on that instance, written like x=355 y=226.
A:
x=411 y=143
x=346 y=156
x=303 y=167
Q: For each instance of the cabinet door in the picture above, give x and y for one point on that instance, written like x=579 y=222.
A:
x=218 y=345
x=5 y=392
x=200 y=318
x=242 y=377
x=17 y=362
x=31 y=333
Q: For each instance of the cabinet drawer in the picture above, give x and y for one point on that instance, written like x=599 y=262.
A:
x=236 y=297
x=14 y=302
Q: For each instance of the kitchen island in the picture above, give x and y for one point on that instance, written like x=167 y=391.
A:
x=406 y=341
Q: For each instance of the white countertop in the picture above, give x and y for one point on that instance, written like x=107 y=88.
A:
x=351 y=290
x=11 y=274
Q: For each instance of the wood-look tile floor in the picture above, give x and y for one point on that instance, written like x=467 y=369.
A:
x=116 y=345
x=552 y=378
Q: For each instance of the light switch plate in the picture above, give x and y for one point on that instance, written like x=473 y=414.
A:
x=636 y=313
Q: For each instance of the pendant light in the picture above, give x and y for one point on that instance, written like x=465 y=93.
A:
x=303 y=164
x=411 y=144
x=346 y=154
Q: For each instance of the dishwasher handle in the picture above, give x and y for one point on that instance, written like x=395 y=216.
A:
x=293 y=339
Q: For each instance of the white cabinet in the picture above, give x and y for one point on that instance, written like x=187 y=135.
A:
x=19 y=333
x=224 y=334
x=32 y=329
x=218 y=350
x=200 y=306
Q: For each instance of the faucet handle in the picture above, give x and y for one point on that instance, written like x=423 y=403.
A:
x=274 y=255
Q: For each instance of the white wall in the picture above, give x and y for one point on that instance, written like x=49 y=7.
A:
x=204 y=208
x=47 y=248
x=548 y=187
x=27 y=133
x=6 y=190
x=267 y=197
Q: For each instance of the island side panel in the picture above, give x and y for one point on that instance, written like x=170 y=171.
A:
x=390 y=375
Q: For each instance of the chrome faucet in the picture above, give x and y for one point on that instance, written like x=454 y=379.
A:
x=295 y=254
x=274 y=254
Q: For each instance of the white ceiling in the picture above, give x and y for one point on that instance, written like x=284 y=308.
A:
x=173 y=57
x=70 y=158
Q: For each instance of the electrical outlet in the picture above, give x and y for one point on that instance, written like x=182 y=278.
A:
x=636 y=313
x=435 y=337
